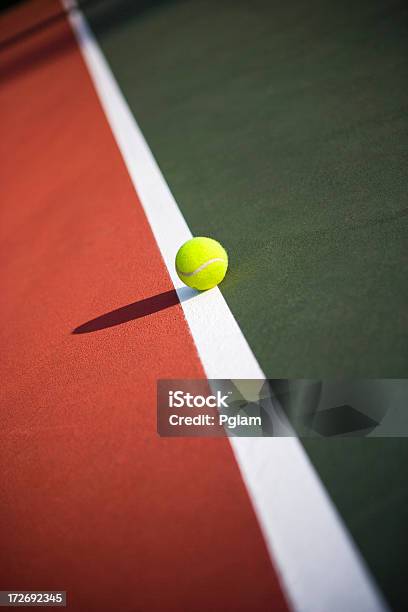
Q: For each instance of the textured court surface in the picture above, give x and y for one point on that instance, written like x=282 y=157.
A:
x=282 y=132
x=94 y=502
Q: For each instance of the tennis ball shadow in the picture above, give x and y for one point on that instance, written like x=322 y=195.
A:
x=137 y=310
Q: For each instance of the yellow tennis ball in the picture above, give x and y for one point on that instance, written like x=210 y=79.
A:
x=201 y=263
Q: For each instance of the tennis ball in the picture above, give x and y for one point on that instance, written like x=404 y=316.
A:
x=201 y=263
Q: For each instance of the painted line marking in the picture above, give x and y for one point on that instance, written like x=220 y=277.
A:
x=202 y=267
x=318 y=563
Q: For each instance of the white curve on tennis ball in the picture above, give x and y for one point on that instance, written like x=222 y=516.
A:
x=202 y=267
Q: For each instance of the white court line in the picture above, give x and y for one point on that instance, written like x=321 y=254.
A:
x=319 y=566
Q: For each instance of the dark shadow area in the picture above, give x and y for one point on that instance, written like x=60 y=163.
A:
x=342 y=420
x=32 y=30
x=136 y=310
x=8 y=4
x=38 y=55
x=107 y=14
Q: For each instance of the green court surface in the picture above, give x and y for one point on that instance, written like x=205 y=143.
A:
x=281 y=129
